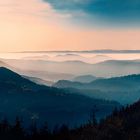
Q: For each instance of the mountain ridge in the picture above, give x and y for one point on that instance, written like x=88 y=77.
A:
x=124 y=89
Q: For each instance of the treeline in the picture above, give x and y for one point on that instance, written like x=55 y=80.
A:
x=123 y=124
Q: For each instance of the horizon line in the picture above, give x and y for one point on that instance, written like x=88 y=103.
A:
x=82 y=51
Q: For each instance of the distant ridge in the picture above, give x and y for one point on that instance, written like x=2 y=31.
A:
x=85 y=78
x=124 y=89
x=84 y=51
x=122 y=81
x=110 y=68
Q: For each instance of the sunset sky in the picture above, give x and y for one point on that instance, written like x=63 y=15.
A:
x=44 y=25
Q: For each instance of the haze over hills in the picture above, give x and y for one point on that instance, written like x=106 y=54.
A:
x=85 y=78
x=68 y=57
x=42 y=103
x=111 y=89
x=39 y=81
x=78 y=57
x=99 y=58
x=42 y=57
x=110 y=68
x=45 y=75
x=3 y=64
x=116 y=83
x=114 y=89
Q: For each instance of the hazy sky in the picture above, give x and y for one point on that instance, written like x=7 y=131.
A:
x=30 y=25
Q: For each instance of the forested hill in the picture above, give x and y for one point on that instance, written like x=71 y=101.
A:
x=121 y=125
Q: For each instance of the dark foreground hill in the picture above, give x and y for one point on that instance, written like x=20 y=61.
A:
x=23 y=98
x=123 y=124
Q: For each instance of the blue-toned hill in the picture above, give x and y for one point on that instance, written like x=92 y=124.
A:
x=23 y=98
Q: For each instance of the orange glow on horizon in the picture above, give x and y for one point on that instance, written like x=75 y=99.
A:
x=27 y=28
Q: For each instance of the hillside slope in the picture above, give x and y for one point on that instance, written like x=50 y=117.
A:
x=21 y=97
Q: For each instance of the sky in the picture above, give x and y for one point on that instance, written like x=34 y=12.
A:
x=47 y=25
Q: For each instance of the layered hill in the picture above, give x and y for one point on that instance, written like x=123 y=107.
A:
x=21 y=97
x=85 y=78
x=124 y=89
